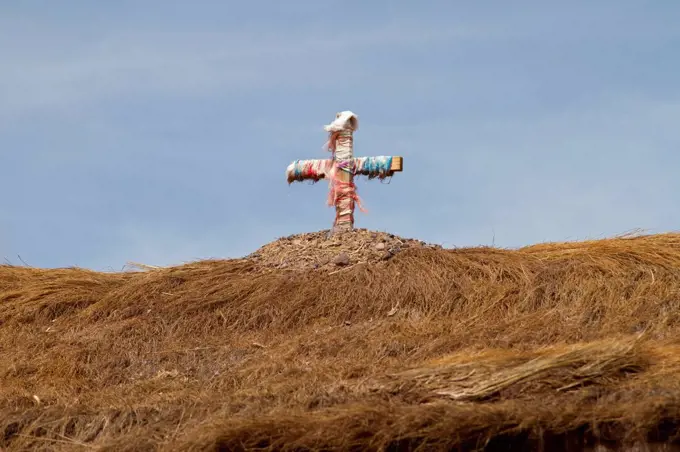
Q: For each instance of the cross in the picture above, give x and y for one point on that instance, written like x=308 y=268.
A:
x=341 y=169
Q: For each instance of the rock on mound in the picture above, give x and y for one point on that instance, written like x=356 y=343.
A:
x=319 y=250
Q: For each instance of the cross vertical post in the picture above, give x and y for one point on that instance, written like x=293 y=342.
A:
x=343 y=181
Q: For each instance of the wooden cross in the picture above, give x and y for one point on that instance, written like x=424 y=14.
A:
x=341 y=169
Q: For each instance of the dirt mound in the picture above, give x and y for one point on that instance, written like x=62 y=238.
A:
x=559 y=346
x=323 y=251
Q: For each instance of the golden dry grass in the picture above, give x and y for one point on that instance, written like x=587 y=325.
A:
x=556 y=346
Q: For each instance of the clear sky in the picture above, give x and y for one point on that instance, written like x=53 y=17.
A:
x=159 y=131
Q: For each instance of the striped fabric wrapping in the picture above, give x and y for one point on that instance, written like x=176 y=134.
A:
x=314 y=170
x=380 y=167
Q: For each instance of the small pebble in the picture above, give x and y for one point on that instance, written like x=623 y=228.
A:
x=341 y=259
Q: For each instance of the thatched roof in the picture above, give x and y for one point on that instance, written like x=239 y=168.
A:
x=553 y=344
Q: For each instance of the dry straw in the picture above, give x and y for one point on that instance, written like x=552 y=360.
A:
x=572 y=343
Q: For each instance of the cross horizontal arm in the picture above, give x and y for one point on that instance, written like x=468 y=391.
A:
x=315 y=170
x=382 y=166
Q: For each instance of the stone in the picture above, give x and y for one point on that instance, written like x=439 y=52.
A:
x=341 y=259
x=386 y=256
x=380 y=246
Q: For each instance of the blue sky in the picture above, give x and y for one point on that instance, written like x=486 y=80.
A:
x=159 y=132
